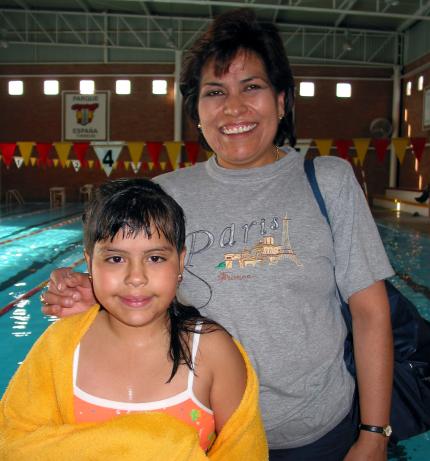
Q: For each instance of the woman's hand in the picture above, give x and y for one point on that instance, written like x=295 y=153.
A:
x=68 y=293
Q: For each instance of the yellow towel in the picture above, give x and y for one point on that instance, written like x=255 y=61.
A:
x=37 y=420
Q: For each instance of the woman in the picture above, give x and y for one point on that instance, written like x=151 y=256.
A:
x=262 y=260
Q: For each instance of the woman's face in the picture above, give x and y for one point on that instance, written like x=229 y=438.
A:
x=239 y=112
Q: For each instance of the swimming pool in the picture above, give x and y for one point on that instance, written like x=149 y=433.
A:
x=35 y=240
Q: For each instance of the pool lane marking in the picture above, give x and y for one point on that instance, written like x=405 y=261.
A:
x=33 y=291
x=62 y=223
x=43 y=223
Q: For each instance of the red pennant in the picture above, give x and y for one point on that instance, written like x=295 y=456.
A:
x=381 y=147
x=154 y=149
x=43 y=149
x=120 y=164
x=192 y=149
x=81 y=149
x=343 y=146
x=418 y=146
x=7 y=149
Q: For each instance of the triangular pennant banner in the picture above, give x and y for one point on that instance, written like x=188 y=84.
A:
x=76 y=165
x=136 y=166
x=154 y=149
x=209 y=154
x=90 y=164
x=173 y=151
x=63 y=150
x=56 y=162
x=33 y=161
x=303 y=147
x=127 y=165
x=19 y=161
x=150 y=166
x=81 y=149
x=361 y=148
x=399 y=146
x=418 y=145
x=342 y=146
x=192 y=150
x=7 y=149
x=107 y=153
x=163 y=166
x=135 y=149
x=25 y=148
x=43 y=149
x=324 y=146
x=381 y=145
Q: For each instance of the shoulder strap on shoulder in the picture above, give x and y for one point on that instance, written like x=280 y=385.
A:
x=310 y=173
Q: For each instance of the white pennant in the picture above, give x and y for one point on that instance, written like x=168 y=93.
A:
x=107 y=153
x=136 y=168
x=76 y=165
x=18 y=161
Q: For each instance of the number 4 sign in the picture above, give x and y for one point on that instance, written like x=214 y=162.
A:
x=108 y=153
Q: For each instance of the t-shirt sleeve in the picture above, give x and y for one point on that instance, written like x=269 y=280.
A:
x=360 y=257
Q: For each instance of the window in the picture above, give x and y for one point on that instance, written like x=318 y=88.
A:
x=408 y=88
x=406 y=115
x=86 y=87
x=343 y=90
x=16 y=87
x=51 y=87
x=420 y=83
x=409 y=131
x=123 y=87
x=307 y=89
x=159 y=86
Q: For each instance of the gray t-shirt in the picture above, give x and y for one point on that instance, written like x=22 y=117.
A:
x=261 y=262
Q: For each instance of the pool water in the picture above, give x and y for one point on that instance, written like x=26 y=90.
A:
x=34 y=241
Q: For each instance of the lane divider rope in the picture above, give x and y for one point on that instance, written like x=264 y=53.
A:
x=31 y=292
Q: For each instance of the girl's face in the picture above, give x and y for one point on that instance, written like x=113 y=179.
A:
x=135 y=278
x=239 y=112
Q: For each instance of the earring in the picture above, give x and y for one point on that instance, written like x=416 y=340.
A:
x=180 y=278
x=90 y=277
x=199 y=126
x=281 y=117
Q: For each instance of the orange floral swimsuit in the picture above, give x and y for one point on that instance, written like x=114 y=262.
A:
x=184 y=406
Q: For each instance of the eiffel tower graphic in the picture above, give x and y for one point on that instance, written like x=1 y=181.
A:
x=286 y=242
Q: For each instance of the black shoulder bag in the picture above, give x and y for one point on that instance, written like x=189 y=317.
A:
x=410 y=406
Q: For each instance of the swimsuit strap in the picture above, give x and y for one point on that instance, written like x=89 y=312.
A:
x=195 y=347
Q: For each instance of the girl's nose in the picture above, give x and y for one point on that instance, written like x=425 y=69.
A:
x=234 y=105
x=136 y=275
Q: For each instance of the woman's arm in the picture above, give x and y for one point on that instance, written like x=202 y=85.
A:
x=373 y=349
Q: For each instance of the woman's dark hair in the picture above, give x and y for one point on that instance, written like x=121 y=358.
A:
x=230 y=33
x=134 y=206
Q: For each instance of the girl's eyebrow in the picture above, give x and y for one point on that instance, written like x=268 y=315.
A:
x=108 y=249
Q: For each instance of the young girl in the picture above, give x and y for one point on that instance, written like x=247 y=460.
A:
x=139 y=376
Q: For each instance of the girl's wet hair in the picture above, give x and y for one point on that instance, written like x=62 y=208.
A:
x=230 y=33
x=134 y=206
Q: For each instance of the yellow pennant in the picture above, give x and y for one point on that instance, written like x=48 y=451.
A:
x=55 y=162
x=33 y=161
x=361 y=147
x=90 y=164
x=173 y=151
x=400 y=145
x=68 y=163
x=25 y=148
x=135 y=149
x=163 y=166
x=324 y=146
x=209 y=154
x=63 y=150
x=150 y=166
x=127 y=165
x=187 y=164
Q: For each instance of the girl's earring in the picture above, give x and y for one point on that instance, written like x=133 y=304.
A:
x=180 y=278
x=90 y=278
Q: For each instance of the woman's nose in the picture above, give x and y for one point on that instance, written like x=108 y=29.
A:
x=234 y=105
x=136 y=275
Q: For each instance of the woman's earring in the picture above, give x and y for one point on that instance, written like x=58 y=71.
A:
x=180 y=278
x=199 y=126
x=281 y=117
